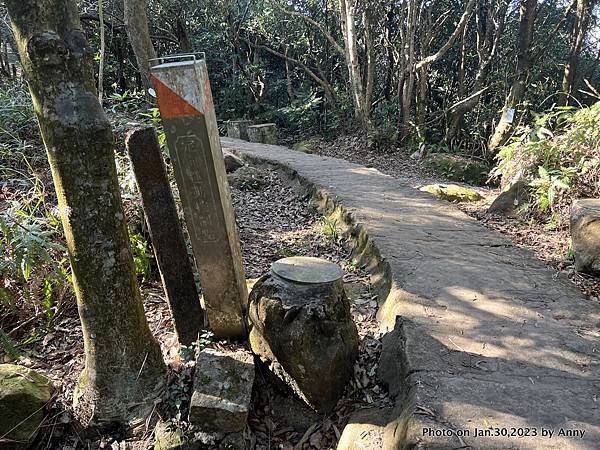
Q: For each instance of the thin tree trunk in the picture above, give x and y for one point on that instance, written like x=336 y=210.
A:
x=582 y=20
x=136 y=25
x=288 y=78
x=487 y=44
x=370 y=63
x=124 y=370
x=102 y=52
x=347 y=19
x=506 y=125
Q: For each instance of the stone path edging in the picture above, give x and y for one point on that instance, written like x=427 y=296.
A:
x=488 y=338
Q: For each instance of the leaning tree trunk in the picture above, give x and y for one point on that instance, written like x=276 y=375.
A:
x=124 y=369
x=506 y=125
x=136 y=24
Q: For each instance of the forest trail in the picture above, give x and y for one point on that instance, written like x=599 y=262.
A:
x=495 y=340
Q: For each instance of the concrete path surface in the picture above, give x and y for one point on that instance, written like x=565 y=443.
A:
x=496 y=343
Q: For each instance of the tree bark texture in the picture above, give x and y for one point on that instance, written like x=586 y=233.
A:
x=505 y=127
x=124 y=368
x=136 y=24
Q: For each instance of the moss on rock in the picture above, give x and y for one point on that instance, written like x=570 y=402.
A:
x=248 y=178
x=458 y=168
x=23 y=395
x=307 y=146
x=452 y=192
x=167 y=436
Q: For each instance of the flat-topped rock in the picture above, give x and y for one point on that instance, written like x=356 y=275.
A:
x=302 y=331
x=238 y=129
x=222 y=390
x=452 y=193
x=585 y=234
x=265 y=133
x=306 y=269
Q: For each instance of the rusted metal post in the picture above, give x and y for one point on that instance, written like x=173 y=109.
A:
x=167 y=237
x=186 y=107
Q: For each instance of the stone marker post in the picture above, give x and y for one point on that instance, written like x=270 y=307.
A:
x=167 y=237
x=186 y=107
x=238 y=129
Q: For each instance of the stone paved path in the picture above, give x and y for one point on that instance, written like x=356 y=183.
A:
x=495 y=340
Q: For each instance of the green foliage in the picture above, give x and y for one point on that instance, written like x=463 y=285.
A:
x=330 y=231
x=17 y=119
x=301 y=114
x=153 y=115
x=34 y=265
x=559 y=154
x=382 y=138
x=143 y=256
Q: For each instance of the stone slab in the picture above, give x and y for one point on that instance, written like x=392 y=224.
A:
x=222 y=389
x=264 y=133
x=188 y=115
x=493 y=338
x=238 y=129
x=166 y=233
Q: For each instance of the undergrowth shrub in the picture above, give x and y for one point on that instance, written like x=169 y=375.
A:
x=559 y=155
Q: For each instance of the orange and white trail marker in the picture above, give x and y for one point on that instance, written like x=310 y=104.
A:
x=188 y=115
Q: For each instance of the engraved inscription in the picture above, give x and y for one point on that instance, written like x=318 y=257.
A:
x=194 y=167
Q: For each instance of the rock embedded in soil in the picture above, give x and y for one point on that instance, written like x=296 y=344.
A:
x=248 y=178
x=222 y=389
x=452 y=192
x=232 y=162
x=23 y=396
x=168 y=437
x=585 y=235
x=511 y=197
x=303 y=332
x=458 y=168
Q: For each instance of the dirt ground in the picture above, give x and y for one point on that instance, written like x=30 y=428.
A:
x=275 y=220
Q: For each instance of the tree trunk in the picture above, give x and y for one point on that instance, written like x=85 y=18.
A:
x=582 y=20
x=124 y=369
x=347 y=19
x=487 y=40
x=369 y=50
x=288 y=79
x=102 y=52
x=136 y=24
x=185 y=46
x=506 y=125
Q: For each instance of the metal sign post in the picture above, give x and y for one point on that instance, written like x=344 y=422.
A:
x=186 y=107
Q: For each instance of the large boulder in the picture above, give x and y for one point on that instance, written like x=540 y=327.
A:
x=458 y=168
x=585 y=234
x=452 y=193
x=302 y=331
x=23 y=395
x=511 y=197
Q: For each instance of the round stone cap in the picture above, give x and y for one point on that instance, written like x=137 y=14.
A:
x=306 y=269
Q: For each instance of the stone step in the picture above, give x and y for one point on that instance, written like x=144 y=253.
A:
x=222 y=389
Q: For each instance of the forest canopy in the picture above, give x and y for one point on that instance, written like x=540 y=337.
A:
x=439 y=71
